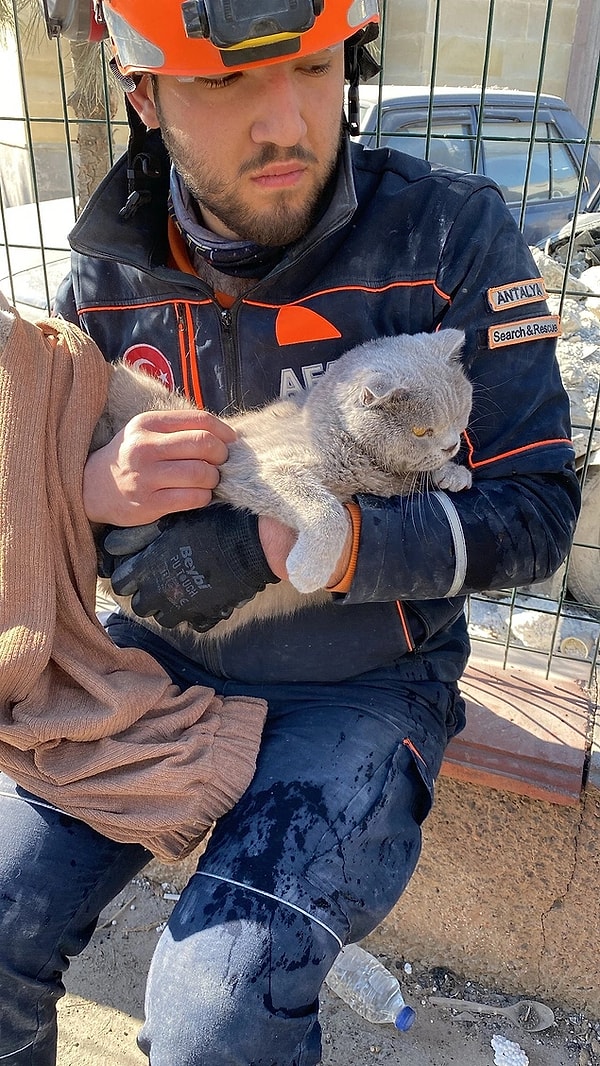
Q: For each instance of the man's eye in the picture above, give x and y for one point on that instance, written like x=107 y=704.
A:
x=209 y=83
x=218 y=83
x=319 y=68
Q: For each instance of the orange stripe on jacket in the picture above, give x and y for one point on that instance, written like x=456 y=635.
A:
x=179 y=259
x=513 y=451
x=405 y=629
x=357 y=288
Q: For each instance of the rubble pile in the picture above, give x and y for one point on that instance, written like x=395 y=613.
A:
x=538 y=618
x=578 y=348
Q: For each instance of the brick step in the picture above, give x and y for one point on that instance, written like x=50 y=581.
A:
x=523 y=734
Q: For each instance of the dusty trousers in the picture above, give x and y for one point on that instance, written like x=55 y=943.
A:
x=316 y=852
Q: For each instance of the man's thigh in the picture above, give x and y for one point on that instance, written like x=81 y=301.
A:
x=56 y=875
x=331 y=821
x=315 y=853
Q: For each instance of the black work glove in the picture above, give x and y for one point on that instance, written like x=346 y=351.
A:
x=195 y=567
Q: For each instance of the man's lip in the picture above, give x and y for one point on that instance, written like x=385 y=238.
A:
x=276 y=170
x=279 y=175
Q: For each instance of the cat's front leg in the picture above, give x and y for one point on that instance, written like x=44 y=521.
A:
x=320 y=543
x=452 y=477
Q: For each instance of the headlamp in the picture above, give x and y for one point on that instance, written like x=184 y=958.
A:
x=245 y=31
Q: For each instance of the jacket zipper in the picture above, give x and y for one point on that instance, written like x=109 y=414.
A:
x=187 y=354
x=230 y=359
x=189 y=359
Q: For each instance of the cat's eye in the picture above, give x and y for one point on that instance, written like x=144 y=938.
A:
x=422 y=431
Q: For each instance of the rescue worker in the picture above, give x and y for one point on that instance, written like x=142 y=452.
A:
x=241 y=245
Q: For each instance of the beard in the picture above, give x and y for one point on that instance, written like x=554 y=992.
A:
x=282 y=221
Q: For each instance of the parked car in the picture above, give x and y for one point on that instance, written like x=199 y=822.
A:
x=445 y=127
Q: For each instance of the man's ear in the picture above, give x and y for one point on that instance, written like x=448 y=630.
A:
x=142 y=99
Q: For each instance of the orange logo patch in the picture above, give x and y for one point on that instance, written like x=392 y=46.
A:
x=296 y=325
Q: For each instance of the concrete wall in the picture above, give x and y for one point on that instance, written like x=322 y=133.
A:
x=507 y=892
x=43 y=87
x=517 y=31
x=15 y=179
x=511 y=47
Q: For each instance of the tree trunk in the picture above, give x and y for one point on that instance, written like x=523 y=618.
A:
x=91 y=106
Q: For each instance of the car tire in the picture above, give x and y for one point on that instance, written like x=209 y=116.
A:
x=583 y=577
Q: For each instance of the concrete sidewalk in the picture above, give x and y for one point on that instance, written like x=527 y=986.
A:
x=102 y=1012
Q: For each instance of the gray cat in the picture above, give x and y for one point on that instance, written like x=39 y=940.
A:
x=385 y=418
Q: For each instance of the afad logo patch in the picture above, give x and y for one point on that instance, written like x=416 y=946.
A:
x=150 y=361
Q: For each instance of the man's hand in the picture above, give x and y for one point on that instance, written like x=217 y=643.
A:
x=160 y=463
x=199 y=567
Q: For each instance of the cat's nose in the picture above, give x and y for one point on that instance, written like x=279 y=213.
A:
x=451 y=451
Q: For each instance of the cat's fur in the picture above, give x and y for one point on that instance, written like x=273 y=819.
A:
x=300 y=459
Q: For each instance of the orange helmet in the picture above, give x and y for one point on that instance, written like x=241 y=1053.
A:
x=187 y=38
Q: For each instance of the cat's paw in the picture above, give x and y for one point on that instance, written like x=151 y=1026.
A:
x=313 y=560
x=452 y=478
x=306 y=574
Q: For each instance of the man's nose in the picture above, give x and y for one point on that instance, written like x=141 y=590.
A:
x=278 y=117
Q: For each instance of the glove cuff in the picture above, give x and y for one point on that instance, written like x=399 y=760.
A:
x=242 y=547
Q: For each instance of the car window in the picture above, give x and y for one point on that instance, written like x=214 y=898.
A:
x=563 y=175
x=450 y=142
x=552 y=174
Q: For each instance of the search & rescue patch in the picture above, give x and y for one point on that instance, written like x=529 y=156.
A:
x=528 y=329
x=516 y=294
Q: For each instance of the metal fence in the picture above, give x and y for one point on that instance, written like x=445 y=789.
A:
x=62 y=125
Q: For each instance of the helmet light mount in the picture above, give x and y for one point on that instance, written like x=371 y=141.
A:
x=237 y=23
x=245 y=32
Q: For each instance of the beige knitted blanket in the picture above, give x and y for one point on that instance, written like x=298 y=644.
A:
x=97 y=730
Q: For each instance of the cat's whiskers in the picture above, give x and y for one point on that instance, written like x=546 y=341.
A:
x=417 y=497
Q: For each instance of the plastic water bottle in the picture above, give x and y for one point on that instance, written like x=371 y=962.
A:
x=365 y=985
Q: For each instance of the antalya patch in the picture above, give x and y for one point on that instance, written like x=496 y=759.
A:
x=516 y=294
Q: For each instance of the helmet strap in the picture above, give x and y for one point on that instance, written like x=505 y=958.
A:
x=360 y=65
x=142 y=167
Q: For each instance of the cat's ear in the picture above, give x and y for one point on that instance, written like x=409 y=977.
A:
x=373 y=396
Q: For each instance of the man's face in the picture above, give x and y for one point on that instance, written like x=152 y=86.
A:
x=255 y=147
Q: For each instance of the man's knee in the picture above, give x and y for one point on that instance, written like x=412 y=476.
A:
x=238 y=988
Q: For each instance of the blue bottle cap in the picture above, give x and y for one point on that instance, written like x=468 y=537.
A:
x=405 y=1019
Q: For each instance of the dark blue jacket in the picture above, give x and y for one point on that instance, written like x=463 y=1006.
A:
x=402 y=248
